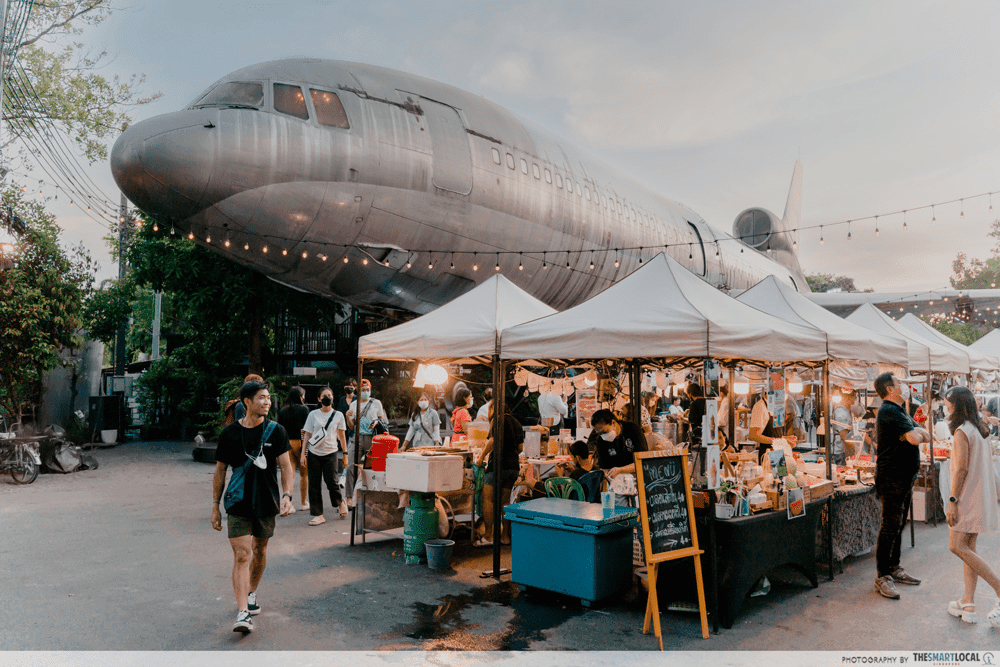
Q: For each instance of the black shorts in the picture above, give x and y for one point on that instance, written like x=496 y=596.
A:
x=241 y=526
x=507 y=478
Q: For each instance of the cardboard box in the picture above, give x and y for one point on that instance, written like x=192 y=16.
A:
x=925 y=501
x=778 y=500
x=817 y=491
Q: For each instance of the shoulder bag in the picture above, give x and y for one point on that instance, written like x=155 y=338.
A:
x=236 y=491
x=319 y=435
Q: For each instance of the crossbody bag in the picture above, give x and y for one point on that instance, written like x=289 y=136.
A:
x=236 y=491
x=320 y=435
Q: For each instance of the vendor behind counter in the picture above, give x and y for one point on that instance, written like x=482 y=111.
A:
x=616 y=443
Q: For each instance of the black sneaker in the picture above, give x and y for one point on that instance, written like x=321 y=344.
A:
x=252 y=605
x=886 y=588
x=901 y=577
x=244 y=622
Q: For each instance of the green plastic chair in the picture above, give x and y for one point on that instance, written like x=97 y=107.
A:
x=563 y=487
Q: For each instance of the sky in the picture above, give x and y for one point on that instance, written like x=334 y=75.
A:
x=888 y=105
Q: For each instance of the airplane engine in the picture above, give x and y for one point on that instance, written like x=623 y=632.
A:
x=763 y=230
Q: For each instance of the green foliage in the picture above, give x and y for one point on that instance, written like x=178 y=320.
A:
x=975 y=273
x=963 y=332
x=91 y=108
x=42 y=291
x=824 y=282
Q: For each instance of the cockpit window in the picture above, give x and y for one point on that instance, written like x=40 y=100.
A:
x=329 y=110
x=289 y=100
x=234 y=94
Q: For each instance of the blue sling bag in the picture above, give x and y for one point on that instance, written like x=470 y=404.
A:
x=236 y=490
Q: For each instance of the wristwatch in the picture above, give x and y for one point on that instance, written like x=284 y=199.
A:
x=953 y=499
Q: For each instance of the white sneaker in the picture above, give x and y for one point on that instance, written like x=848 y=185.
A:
x=252 y=605
x=244 y=622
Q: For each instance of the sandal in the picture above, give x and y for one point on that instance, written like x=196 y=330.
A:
x=317 y=520
x=993 y=618
x=967 y=611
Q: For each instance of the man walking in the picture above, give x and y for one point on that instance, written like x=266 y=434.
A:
x=898 y=439
x=253 y=447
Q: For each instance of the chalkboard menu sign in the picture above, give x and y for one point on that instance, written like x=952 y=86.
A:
x=666 y=511
x=663 y=480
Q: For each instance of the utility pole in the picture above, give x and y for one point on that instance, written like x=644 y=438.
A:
x=157 y=307
x=123 y=232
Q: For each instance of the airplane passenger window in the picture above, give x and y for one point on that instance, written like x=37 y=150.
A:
x=569 y=185
x=234 y=94
x=524 y=166
x=619 y=205
x=548 y=176
x=604 y=200
x=559 y=182
x=534 y=168
x=587 y=190
x=496 y=156
x=510 y=160
x=289 y=100
x=579 y=190
x=329 y=110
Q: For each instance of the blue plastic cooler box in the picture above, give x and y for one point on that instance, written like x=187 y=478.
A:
x=571 y=547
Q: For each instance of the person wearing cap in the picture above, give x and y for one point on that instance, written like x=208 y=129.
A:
x=367 y=414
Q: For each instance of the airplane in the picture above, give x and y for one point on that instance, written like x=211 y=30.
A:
x=393 y=192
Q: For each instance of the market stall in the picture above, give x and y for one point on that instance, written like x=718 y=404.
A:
x=465 y=330
x=663 y=316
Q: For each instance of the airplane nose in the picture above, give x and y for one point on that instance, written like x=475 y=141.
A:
x=163 y=164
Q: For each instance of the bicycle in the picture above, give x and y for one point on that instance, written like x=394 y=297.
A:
x=19 y=460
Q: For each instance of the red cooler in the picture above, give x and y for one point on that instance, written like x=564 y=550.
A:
x=382 y=445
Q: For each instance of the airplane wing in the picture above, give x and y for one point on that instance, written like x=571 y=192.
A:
x=974 y=305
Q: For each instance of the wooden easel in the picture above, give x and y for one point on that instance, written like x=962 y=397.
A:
x=665 y=488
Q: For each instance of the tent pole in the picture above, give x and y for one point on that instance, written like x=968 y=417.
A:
x=829 y=464
x=499 y=412
x=930 y=446
x=635 y=387
x=732 y=409
x=357 y=443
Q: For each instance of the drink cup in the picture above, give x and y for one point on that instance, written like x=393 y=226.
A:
x=608 y=502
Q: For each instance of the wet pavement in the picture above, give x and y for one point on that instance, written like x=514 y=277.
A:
x=123 y=558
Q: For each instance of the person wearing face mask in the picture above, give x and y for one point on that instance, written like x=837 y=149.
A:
x=367 y=414
x=425 y=425
x=322 y=455
x=616 y=443
x=344 y=401
x=898 y=463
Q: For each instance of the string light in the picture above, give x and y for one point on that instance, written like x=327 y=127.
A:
x=848 y=230
x=323 y=257
x=904 y=221
x=305 y=255
x=265 y=250
x=876 y=225
x=961 y=215
x=567 y=259
x=246 y=246
x=347 y=260
x=591 y=260
x=497 y=267
x=284 y=251
x=190 y=236
x=691 y=254
x=430 y=261
x=933 y=215
x=475 y=261
x=991 y=202
x=545 y=263
x=452 y=261
x=208 y=239
x=156 y=227
x=520 y=264
x=172 y=229
x=820 y=236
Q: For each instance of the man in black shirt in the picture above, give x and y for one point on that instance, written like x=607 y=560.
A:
x=898 y=439
x=616 y=443
x=264 y=444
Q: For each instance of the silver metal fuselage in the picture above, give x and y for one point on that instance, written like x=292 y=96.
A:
x=424 y=166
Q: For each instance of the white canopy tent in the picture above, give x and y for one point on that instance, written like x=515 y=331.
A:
x=659 y=311
x=990 y=343
x=464 y=329
x=978 y=360
x=924 y=355
x=845 y=340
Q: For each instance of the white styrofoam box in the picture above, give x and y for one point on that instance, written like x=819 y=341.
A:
x=532 y=444
x=411 y=471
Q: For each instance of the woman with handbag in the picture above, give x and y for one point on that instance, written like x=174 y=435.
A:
x=972 y=508
x=324 y=432
x=425 y=425
x=372 y=420
x=292 y=418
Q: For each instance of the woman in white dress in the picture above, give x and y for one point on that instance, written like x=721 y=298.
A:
x=972 y=509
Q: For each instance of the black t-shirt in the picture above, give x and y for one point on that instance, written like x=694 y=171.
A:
x=695 y=414
x=618 y=452
x=293 y=418
x=236 y=445
x=513 y=437
x=898 y=460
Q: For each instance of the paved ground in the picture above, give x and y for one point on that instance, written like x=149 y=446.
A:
x=123 y=558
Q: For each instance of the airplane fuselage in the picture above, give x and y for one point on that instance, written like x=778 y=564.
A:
x=267 y=159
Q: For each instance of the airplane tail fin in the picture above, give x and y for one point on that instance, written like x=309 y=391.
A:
x=793 y=207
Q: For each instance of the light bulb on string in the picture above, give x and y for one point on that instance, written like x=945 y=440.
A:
x=567 y=259
x=876 y=225
x=208 y=239
x=848 y=230
x=820 y=236
x=156 y=227
x=991 y=202
x=794 y=245
x=591 y=260
x=452 y=261
x=305 y=255
x=545 y=263
x=172 y=232
x=520 y=263
x=226 y=243
x=347 y=260
x=475 y=261
x=430 y=261
x=284 y=251
x=409 y=264
x=691 y=254
x=933 y=215
x=190 y=236
x=961 y=205
x=497 y=266
x=246 y=246
x=323 y=257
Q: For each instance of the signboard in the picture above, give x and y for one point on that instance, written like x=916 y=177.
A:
x=710 y=422
x=666 y=512
x=586 y=405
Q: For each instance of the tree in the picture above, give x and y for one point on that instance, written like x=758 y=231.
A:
x=42 y=291
x=824 y=282
x=62 y=80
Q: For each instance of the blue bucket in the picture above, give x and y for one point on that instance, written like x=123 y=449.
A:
x=439 y=553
